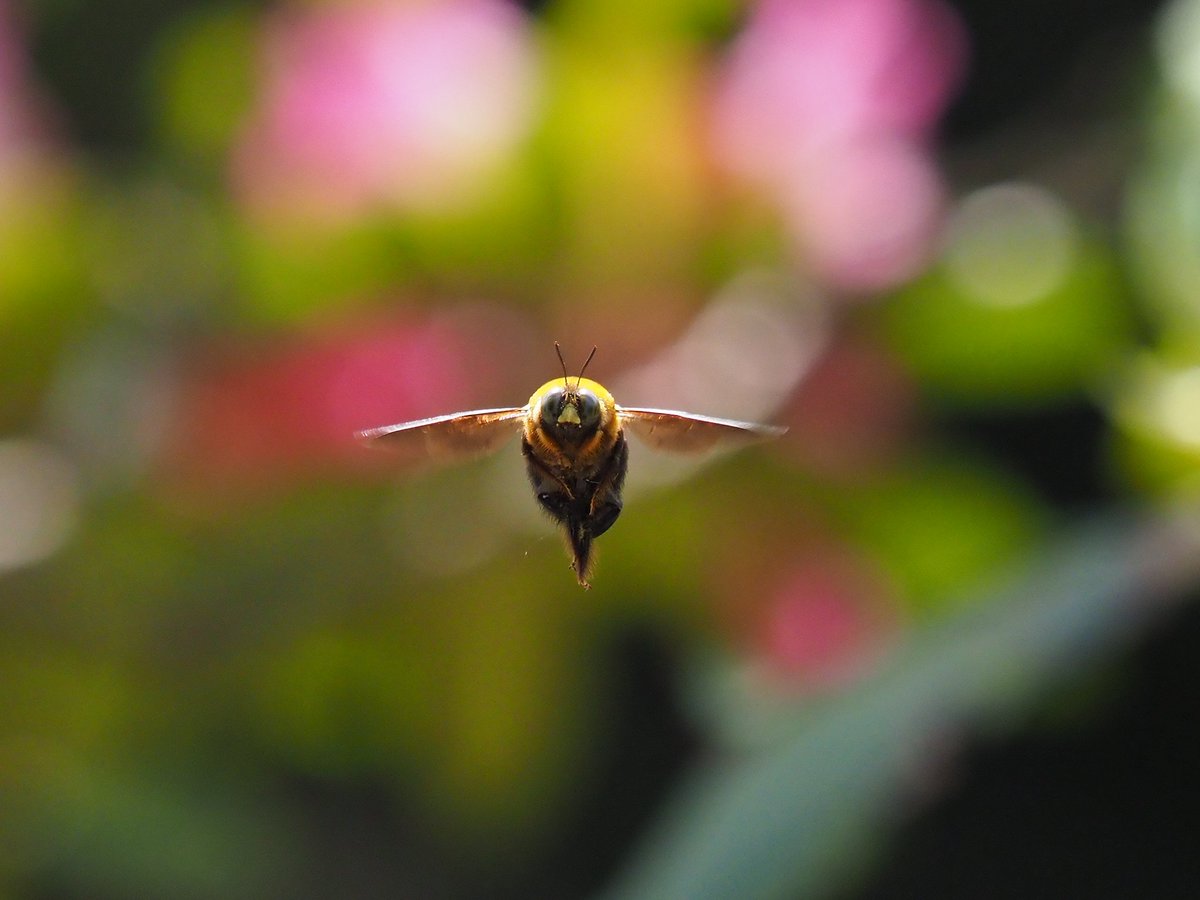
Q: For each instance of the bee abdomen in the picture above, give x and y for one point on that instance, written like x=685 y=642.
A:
x=585 y=502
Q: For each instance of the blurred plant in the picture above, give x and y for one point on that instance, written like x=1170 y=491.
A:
x=225 y=625
x=1157 y=401
x=40 y=271
x=829 y=110
x=802 y=789
x=261 y=415
x=1021 y=308
x=381 y=105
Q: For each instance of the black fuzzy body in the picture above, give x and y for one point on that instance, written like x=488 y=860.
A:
x=585 y=498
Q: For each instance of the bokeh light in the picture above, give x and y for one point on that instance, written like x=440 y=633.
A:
x=1021 y=304
x=1011 y=244
x=39 y=502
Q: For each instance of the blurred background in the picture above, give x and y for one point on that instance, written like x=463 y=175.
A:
x=938 y=641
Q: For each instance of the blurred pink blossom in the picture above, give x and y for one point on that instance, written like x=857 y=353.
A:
x=261 y=414
x=829 y=107
x=23 y=113
x=824 y=623
x=385 y=103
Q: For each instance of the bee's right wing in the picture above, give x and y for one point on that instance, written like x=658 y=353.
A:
x=446 y=439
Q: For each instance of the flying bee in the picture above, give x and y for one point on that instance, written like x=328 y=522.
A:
x=573 y=441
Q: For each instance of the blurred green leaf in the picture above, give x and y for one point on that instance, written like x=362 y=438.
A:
x=968 y=350
x=45 y=297
x=290 y=275
x=791 y=821
x=939 y=525
x=1156 y=405
x=146 y=833
x=203 y=76
x=626 y=169
x=657 y=23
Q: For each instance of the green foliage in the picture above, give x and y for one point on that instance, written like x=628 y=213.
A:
x=970 y=351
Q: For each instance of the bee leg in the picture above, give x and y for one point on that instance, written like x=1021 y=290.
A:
x=595 y=505
x=606 y=504
x=552 y=493
x=558 y=504
x=580 y=537
x=585 y=503
x=566 y=510
x=603 y=516
x=555 y=496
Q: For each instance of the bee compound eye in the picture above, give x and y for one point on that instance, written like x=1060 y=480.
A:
x=588 y=405
x=551 y=407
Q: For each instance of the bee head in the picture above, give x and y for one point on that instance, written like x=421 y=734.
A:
x=570 y=411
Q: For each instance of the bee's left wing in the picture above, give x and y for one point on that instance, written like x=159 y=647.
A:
x=679 y=432
x=445 y=439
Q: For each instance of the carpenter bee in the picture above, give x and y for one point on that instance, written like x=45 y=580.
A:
x=573 y=438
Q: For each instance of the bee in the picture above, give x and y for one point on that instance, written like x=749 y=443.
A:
x=573 y=439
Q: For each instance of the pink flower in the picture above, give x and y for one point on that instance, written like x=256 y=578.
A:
x=259 y=415
x=385 y=103
x=824 y=624
x=828 y=107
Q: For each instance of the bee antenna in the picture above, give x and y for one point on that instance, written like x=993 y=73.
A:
x=562 y=362
x=585 y=365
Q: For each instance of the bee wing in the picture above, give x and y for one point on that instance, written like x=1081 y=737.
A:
x=679 y=432
x=444 y=439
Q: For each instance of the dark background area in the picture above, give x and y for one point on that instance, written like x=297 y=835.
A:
x=1108 y=809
